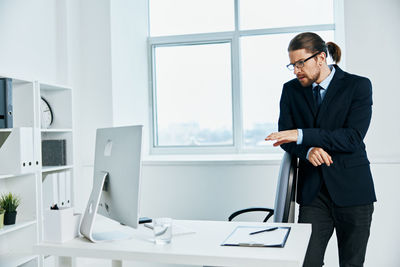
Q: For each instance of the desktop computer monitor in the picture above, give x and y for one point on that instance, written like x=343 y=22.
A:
x=116 y=180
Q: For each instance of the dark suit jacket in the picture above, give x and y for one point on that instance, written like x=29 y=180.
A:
x=339 y=128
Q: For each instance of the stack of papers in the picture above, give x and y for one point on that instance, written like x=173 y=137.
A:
x=241 y=237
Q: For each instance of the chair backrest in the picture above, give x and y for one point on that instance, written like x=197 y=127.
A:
x=286 y=188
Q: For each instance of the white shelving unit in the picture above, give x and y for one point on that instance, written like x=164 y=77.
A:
x=17 y=226
x=56 y=168
x=16 y=241
x=56 y=130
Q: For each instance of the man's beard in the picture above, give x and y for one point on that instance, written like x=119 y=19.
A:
x=307 y=81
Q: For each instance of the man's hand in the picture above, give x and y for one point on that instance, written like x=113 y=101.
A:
x=283 y=137
x=318 y=156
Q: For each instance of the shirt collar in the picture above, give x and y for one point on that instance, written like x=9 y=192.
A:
x=325 y=83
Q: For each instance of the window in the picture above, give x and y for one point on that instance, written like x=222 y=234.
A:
x=193 y=95
x=218 y=67
x=261 y=14
x=175 y=17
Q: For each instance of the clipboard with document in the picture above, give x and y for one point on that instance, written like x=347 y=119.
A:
x=259 y=236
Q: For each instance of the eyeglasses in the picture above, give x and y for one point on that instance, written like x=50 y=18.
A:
x=299 y=64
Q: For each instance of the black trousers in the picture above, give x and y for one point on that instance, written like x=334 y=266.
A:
x=352 y=225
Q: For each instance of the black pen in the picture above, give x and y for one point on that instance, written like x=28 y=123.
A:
x=266 y=230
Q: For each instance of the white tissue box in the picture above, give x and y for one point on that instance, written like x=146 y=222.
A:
x=61 y=225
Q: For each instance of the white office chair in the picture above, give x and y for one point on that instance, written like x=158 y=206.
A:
x=285 y=194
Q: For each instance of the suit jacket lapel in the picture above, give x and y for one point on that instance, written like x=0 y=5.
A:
x=333 y=89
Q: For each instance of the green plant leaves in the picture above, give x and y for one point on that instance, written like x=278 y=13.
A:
x=9 y=202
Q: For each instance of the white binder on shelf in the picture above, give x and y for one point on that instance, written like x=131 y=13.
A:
x=50 y=191
x=37 y=148
x=16 y=151
x=62 y=201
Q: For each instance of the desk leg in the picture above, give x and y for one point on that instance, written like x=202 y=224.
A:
x=64 y=262
x=116 y=263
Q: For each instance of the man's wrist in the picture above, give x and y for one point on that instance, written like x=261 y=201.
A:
x=299 y=136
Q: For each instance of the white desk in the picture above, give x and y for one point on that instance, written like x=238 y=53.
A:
x=201 y=248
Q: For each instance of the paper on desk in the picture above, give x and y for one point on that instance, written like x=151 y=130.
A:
x=241 y=237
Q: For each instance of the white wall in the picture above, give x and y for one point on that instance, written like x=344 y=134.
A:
x=33 y=42
x=29 y=44
x=89 y=65
x=128 y=52
x=206 y=191
x=372 y=41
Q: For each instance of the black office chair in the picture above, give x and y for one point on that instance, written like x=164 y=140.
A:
x=285 y=194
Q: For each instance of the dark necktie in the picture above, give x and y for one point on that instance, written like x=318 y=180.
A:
x=317 y=96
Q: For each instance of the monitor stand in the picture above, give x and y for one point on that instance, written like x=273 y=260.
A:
x=91 y=212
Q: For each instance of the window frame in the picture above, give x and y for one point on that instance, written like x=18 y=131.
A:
x=154 y=96
x=233 y=37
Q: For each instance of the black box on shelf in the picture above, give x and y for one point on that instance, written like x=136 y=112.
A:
x=53 y=153
x=6 y=107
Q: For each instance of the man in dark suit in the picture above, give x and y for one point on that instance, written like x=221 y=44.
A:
x=324 y=116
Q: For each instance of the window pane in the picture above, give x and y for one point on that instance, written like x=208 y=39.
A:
x=257 y=14
x=194 y=95
x=173 y=17
x=264 y=60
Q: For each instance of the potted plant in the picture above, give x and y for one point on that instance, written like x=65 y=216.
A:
x=9 y=202
x=1 y=217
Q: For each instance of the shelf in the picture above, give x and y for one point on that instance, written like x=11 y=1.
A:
x=56 y=130
x=15 y=259
x=52 y=87
x=56 y=168
x=6 y=130
x=13 y=175
x=18 y=79
x=11 y=228
x=6 y=176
